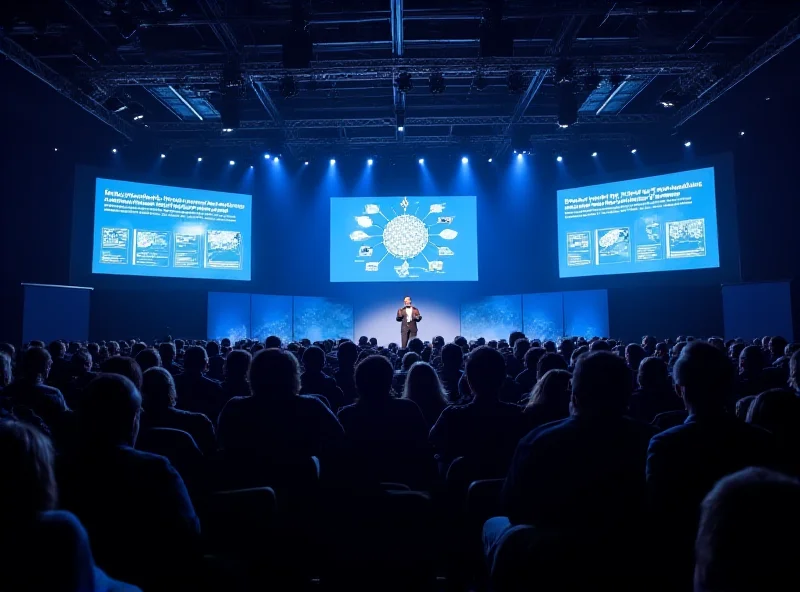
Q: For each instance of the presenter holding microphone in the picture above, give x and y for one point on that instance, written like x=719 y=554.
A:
x=408 y=316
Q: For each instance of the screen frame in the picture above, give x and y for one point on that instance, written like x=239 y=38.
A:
x=729 y=269
x=83 y=222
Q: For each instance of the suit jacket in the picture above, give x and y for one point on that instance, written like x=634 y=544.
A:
x=415 y=318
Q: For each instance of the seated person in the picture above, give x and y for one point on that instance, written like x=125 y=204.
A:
x=237 y=365
x=42 y=548
x=29 y=390
x=655 y=393
x=345 y=375
x=527 y=378
x=196 y=392
x=451 y=372
x=158 y=401
x=549 y=400
x=315 y=382
x=134 y=505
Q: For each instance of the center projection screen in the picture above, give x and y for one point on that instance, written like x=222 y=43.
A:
x=662 y=223
x=404 y=239
x=159 y=231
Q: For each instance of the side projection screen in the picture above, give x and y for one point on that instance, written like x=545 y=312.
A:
x=662 y=223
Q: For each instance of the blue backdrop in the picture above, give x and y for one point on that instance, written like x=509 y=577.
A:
x=755 y=310
x=271 y=315
x=321 y=318
x=494 y=317
x=543 y=315
x=228 y=315
x=55 y=312
x=586 y=313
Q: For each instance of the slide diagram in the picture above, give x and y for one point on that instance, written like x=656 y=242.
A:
x=153 y=230
x=662 y=223
x=403 y=238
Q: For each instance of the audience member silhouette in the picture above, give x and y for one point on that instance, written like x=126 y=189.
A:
x=655 y=393
x=30 y=390
x=549 y=361
x=315 y=382
x=42 y=548
x=273 y=341
x=148 y=358
x=451 y=372
x=527 y=378
x=159 y=400
x=600 y=345
x=485 y=430
x=347 y=354
x=59 y=370
x=634 y=354
x=135 y=506
x=565 y=348
x=593 y=462
x=386 y=436
x=425 y=389
x=237 y=365
x=747 y=538
x=276 y=420
x=6 y=371
x=124 y=366
x=216 y=361
x=685 y=461
x=168 y=353
x=516 y=363
x=196 y=392
x=549 y=400
x=408 y=360
x=778 y=411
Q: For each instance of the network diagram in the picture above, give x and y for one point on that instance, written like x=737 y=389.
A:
x=405 y=237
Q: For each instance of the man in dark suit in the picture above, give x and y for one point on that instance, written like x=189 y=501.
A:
x=30 y=389
x=195 y=391
x=684 y=462
x=408 y=316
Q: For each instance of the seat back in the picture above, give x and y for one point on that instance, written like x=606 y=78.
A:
x=240 y=520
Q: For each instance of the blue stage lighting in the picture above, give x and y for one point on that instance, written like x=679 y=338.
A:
x=233 y=162
x=515 y=151
x=464 y=160
x=741 y=133
x=633 y=151
x=421 y=161
x=276 y=160
x=687 y=143
x=400 y=128
x=490 y=160
x=266 y=157
x=163 y=156
x=519 y=156
x=199 y=159
x=251 y=166
x=333 y=161
x=369 y=161
x=305 y=163
x=594 y=154
x=559 y=158
x=114 y=150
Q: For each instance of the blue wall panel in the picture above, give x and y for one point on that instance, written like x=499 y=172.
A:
x=494 y=317
x=586 y=313
x=755 y=310
x=271 y=315
x=321 y=318
x=543 y=315
x=228 y=315
x=55 y=312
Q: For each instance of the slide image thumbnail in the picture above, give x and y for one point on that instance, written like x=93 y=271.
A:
x=187 y=250
x=649 y=244
x=579 y=248
x=114 y=247
x=613 y=245
x=151 y=248
x=687 y=238
x=224 y=249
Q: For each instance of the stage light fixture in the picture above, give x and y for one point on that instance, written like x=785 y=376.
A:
x=490 y=160
x=232 y=162
x=251 y=166
x=519 y=156
x=633 y=151
x=400 y=128
x=687 y=143
x=741 y=133
x=305 y=163
x=436 y=83
x=266 y=157
x=276 y=160
x=464 y=160
x=403 y=82
x=421 y=161
x=199 y=159
x=114 y=150
x=567 y=105
x=227 y=130
x=559 y=158
x=370 y=161
x=163 y=155
x=333 y=161
x=594 y=154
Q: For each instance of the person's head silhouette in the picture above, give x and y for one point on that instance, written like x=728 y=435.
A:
x=751 y=360
x=452 y=356
x=486 y=372
x=195 y=360
x=36 y=364
x=272 y=341
x=274 y=374
x=123 y=366
x=373 y=377
x=704 y=378
x=167 y=352
x=347 y=354
x=409 y=359
x=237 y=363
x=549 y=361
x=601 y=385
x=653 y=375
x=158 y=390
x=109 y=412
x=148 y=358
x=314 y=359
x=416 y=345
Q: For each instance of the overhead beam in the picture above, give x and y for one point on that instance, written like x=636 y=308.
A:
x=708 y=24
x=20 y=56
x=774 y=46
x=379 y=69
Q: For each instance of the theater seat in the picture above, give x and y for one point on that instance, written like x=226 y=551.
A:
x=179 y=447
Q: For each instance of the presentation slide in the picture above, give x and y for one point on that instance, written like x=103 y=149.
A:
x=153 y=230
x=404 y=239
x=662 y=223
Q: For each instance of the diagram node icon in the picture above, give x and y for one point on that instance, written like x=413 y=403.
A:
x=405 y=236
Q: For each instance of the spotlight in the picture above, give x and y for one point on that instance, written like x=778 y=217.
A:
x=114 y=150
x=232 y=162
x=369 y=161
x=519 y=157
x=490 y=160
x=136 y=110
x=436 y=83
x=266 y=157
x=594 y=154
x=559 y=158
x=400 y=128
x=667 y=104
x=163 y=155
x=687 y=143
x=251 y=166
x=305 y=163
x=515 y=151
x=333 y=161
x=227 y=130
x=199 y=159
x=403 y=82
x=421 y=161
x=741 y=133
x=276 y=160
x=633 y=151
x=288 y=87
x=55 y=149
x=464 y=160
x=400 y=117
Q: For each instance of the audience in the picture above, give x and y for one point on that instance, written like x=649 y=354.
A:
x=195 y=391
x=29 y=390
x=347 y=354
x=451 y=371
x=527 y=378
x=148 y=358
x=684 y=462
x=315 y=382
x=237 y=365
x=134 y=505
x=747 y=539
x=168 y=353
x=655 y=393
x=276 y=419
x=159 y=400
x=549 y=400
x=425 y=389
x=124 y=366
